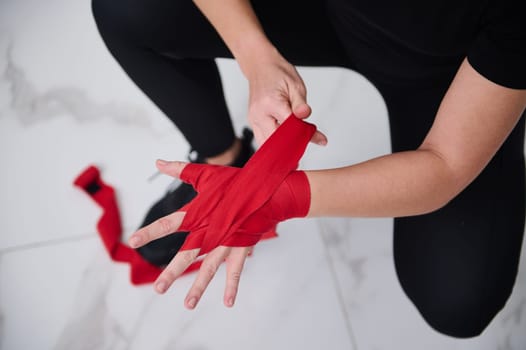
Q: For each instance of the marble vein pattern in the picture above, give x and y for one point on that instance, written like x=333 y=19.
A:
x=31 y=106
x=379 y=313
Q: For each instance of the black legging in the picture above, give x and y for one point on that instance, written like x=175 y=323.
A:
x=458 y=264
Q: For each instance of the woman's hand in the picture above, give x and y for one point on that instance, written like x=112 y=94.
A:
x=276 y=91
x=235 y=207
x=198 y=217
x=233 y=256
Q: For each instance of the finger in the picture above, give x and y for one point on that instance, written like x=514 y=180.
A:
x=234 y=267
x=302 y=111
x=298 y=102
x=187 y=172
x=173 y=169
x=207 y=271
x=175 y=268
x=319 y=138
x=190 y=173
x=157 y=229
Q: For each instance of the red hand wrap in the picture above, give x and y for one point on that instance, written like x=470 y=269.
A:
x=229 y=197
x=109 y=227
x=235 y=207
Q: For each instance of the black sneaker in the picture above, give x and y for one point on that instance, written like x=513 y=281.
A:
x=161 y=251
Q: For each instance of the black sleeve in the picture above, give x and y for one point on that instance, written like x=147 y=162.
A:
x=499 y=53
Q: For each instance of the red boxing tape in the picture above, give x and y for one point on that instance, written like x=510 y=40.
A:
x=109 y=227
x=215 y=217
x=235 y=207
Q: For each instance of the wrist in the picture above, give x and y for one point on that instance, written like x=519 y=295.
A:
x=253 y=53
x=293 y=196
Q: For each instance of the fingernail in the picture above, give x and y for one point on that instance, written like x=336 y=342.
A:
x=192 y=302
x=162 y=162
x=230 y=302
x=160 y=287
x=135 y=241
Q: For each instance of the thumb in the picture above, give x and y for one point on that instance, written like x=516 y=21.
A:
x=173 y=169
x=191 y=173
x=302 y=110
x=298 y=104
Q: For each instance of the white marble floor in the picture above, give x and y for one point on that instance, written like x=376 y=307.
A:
x=64 y=104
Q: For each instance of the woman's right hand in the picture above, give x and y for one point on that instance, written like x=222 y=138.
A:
x=276 y=91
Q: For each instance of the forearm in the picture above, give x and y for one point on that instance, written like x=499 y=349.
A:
x=474 y=119
x=400 y=184
x=240 y=29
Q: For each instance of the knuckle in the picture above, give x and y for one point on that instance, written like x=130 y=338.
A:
x=209 y=269
x=165 y=225
x=169 y=274
x=270 y=100
x=187 y=257
x=145 y=235
x=235 y=276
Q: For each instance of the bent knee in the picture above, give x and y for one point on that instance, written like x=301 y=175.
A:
x=458 y=315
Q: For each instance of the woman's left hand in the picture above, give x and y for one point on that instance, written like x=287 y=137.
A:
x=210 y=182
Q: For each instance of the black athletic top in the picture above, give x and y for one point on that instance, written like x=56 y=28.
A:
x=491 y=33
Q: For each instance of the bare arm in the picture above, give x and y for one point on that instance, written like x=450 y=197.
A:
x=238 y=26
x=276 y=89
x=473 y=121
